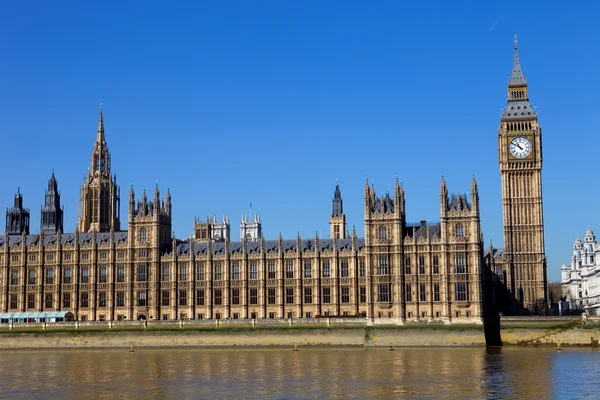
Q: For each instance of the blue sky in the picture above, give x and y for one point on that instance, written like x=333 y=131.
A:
x=228 y=103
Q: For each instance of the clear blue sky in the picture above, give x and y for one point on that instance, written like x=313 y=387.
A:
x=270 y=102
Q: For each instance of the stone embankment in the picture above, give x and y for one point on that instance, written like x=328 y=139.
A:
x=288 y=333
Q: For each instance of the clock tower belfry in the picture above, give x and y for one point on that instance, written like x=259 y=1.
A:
x=520 y=160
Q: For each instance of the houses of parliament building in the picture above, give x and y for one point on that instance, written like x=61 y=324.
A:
x=398 y=272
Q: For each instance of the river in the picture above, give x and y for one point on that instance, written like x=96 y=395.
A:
x=316 y=373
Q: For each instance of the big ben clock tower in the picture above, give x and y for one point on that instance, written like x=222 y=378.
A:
x=520 y=159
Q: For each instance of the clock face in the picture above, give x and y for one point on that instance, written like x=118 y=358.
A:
x=520 y=147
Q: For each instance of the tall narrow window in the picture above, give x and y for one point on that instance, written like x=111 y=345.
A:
x=271 y=270
x=436 y=292
x=361 y=268
x=67 y=276
x=384 y=292
x=143 y=235
x=408 y=292
x=235 y=271
x=271 y=295
x=85 y=275
x=166 y=273
x=460 y=263
x=407 y=265
x=218 y=272
x=165 y=298
x=182 y=272
x=345 y=294
x=102 y=299
x=218 y=297
x=382 y=232
x=422 y=292
x=200 y=268
x=183 y=297
x=32 y=278
x=142 y=274
x=326 y=269
x=102 y=275
x=326 y=295
x=50 y=276
x=383 y=265
x=345 y=271
x=120 y=273
x=141 y=298
x=307 y=295
x=31 y=300
x=67 y=300
x=461 y=292
x=200 y=297
x=14 y=302
x=289 y=295
x=253 y=296
x=48 y=303
x=436 y=265
x=363 y=294
x=120 y=299
x=421 y=265
x=235 y=296
x=289 y=270
x=253 y=271
x=307 y=269
x=85 y=299
x=460 y=231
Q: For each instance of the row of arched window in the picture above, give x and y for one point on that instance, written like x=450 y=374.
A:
x=519 y=126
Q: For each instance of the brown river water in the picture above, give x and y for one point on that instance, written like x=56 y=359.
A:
x=311 y=373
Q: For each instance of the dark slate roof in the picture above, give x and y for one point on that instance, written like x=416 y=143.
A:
x=495 y=252
x=420 y=230
x=518 y=110
x=383 y=204
x=65 y=238
x=516 y=77
x=459 y=202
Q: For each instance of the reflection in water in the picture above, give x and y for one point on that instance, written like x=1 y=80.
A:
x=308 y=373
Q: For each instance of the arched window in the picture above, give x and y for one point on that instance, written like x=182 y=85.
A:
x=143 y=235
x=591 y=248
x=578 y=254
x=460 y=231
x=382 y=232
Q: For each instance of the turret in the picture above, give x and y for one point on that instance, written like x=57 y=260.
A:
x=337 y=219
x=17 y=218
x=51 y=220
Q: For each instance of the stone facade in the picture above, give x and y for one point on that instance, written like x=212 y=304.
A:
x=399 y=271
x=581 y=279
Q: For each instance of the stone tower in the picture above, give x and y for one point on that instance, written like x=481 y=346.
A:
x=520 y=159
x=337 y=220
x=17 y=218
x=211 y=230
x=250 y=229
x=99 y=208
x=52 y=214
x=150 y=220
x=385 y=224
x=461 y=235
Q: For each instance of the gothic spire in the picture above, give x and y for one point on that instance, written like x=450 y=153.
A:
x=474 y=189
x=517 y=78
x=337 y=209
x=100 y=135
x=518 y=107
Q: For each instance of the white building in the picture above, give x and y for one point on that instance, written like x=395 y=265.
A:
x=581 y=280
